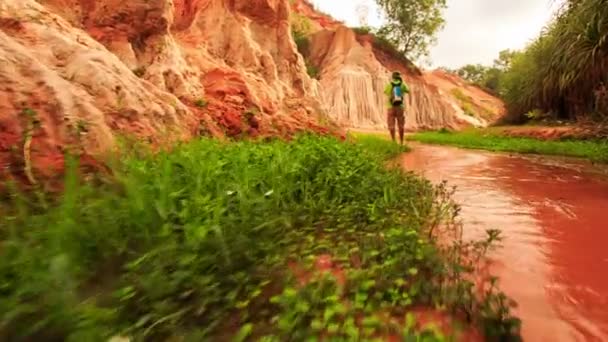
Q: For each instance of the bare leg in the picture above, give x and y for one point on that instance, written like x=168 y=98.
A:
x=400 y=116
x=390 y=118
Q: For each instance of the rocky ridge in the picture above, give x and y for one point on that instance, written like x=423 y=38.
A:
x=82 y=72
x=355 y=67
x=77 y=74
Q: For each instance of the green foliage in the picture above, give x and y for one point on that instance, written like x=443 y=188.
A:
x=302 y=43
x=379 y=144
x=534 y=114
x=382 y=43
x=562 y=70
x=301 y=28
x=468 y=106
x=473 y=73
x=312 y=70
x=412 y=25
x=200 y=103
x=363 y=30
x=466 y=102
x=219 y=241
x=489 y=78
x=492 y=80
x=505 y=59
x=489 y=140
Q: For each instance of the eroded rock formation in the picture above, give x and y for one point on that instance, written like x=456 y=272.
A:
x=79 y=72
x=354 y=71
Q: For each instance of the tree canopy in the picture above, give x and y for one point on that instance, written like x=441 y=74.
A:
x=565 y=70
x=412 y=25
x=488 y=77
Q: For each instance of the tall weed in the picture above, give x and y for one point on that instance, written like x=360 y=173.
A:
x=205 y=242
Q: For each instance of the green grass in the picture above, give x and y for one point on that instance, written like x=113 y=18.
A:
x=467 y=105
x=488 y=140
x=206 y=242
x=379 y=144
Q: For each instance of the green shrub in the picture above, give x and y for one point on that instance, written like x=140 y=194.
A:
x=534 y=114
x=379 y=145
x=200 y=103
x=303 y=44
x=205 y=242
x=468 y=106
x=559 y=72
x=363 y=30
x=312 y=70
x=301 y=28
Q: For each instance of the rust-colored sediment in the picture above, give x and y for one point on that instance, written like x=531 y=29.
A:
x=553 y=215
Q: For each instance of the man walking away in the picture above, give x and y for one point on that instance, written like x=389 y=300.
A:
x=396 y=91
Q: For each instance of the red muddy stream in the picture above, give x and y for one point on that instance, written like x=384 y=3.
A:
x=554 y=218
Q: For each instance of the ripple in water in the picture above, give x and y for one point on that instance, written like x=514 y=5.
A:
x=553 y=217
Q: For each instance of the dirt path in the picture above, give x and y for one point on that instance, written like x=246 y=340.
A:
x=554 y=218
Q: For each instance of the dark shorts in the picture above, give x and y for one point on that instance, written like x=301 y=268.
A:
x=395 y=114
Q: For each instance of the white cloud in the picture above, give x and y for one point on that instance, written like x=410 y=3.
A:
x=476 y=30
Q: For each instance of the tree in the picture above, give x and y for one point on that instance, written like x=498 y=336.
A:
x=505 y=57
x=473 y=73
x=564 y=69
x=490 y=78
x=412 y=25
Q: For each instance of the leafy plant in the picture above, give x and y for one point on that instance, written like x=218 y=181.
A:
x=559 y=72
x=468 y=106
x=412 y=25
x=301 y=28
x=312 y=70
x=363 y=30
x=534 y=114
x=200 y=103
x=489 y=78
x=217 y=241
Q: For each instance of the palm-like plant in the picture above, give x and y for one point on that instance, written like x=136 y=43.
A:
x=561 y=71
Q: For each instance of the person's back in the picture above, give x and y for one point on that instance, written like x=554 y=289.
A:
x=395 y=92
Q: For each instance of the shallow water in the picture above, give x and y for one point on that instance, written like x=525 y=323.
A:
x=554 y=218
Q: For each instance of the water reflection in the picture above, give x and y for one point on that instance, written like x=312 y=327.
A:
x=554 y=217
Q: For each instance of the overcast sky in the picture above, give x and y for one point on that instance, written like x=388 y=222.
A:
x=476 y=30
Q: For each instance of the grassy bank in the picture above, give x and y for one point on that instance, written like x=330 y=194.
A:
x=241 y=241
x=491 y=140
x=377 y=143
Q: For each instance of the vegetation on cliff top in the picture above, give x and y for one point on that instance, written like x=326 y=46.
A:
x=487 y=77
x=563 y=73
x=301 y=29
x=411 y=26
x=565 y=70
x=240 y=241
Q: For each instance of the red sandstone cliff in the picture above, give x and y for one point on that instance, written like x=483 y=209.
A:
x=354 y=69
x=79 y=72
